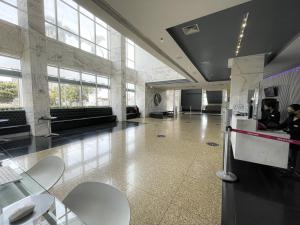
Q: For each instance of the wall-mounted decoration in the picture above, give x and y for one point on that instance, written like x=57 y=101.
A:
x=157 y=99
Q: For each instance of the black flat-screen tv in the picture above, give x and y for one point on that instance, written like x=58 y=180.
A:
x=271 y=92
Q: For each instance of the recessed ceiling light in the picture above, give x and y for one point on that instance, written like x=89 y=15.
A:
x=241 y=35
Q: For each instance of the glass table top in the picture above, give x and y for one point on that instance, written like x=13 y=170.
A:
x=13 y=192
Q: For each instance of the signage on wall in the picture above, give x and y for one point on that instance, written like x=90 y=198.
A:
x=157 y=99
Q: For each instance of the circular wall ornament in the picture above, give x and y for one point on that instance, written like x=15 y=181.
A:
x=157 y=99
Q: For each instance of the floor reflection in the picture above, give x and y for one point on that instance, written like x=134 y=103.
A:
x=25 y=145
x=130 y=140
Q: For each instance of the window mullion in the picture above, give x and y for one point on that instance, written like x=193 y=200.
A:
x=79 y=31
x=56 y=27
x=95 y=36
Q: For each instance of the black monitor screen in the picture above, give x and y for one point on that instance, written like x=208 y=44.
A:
x=270 y=92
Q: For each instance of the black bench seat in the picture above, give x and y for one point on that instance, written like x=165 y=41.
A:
x=157 y=115
x=14 y=129
x=16 y=122
x=69 y=118
x=132 y=112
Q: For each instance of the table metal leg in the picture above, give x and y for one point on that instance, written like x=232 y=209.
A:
x=50 y=132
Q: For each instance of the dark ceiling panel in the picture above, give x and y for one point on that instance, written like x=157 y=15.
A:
x=272 y=24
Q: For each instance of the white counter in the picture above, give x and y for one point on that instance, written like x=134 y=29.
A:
x=256 y=149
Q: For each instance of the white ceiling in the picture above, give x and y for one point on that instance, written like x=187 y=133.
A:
x=151 y=18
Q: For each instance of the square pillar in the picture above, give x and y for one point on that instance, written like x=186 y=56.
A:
x=118 y=77
x=141 y=93
x=34 y=65
x=246 y=74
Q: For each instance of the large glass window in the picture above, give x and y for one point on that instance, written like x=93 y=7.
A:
x=9 y=11
x=69 y=88
x=8 y=63
x=130 y=94
x=68 y=22
x=102 y=96
x=10 y=82
x=69 y=75
x=130 y=54
x=54 y=94
x=204 y=99
x=67 y=17
x=89 y=95
x=70 y=95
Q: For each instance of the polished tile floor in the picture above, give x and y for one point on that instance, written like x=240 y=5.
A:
x=168 y=180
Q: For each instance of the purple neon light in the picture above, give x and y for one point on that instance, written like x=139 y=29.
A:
x=282 y=73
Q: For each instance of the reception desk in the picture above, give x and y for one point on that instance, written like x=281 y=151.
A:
x=256 y=149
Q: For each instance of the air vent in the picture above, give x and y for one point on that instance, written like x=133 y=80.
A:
x=192 y=29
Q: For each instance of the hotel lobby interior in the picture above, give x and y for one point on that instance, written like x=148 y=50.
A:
x=149 y=112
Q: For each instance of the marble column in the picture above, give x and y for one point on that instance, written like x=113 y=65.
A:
x=246 y=74
x=118 y=77
x=34 y=65
x=141 y=93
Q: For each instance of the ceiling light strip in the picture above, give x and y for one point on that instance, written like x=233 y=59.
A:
x=241 y=34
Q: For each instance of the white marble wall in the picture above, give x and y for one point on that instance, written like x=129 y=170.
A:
x=67 y=56
x=246 y=73
x=34 y=65
x=149 y=100
x=11 y=42
x=141 y=93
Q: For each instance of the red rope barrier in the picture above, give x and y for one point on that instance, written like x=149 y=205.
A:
x=295 y=142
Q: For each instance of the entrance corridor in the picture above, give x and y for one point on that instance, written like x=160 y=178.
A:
x=168 y=179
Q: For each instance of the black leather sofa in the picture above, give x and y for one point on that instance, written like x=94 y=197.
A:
x=69 y=118
x=161 y=115
x=157 y=115
x=16 y=122
x=213 y=109
x=132 y=112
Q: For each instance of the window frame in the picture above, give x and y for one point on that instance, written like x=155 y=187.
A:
x=79 y=10
x=81 y=84
x=15 y=7
x=14 y=73
x=130 y=90
x=128 y=60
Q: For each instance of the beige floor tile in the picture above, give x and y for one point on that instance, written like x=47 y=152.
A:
x=179 y=216
x=169 y=180
x=200 y=197
x=146 y=209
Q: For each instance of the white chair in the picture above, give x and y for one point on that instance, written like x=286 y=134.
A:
x=98 y=204
x=48 y=171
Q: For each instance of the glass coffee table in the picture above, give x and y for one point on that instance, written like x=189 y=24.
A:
x=27 y=187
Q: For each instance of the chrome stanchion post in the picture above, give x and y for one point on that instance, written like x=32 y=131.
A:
x=225 y=175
